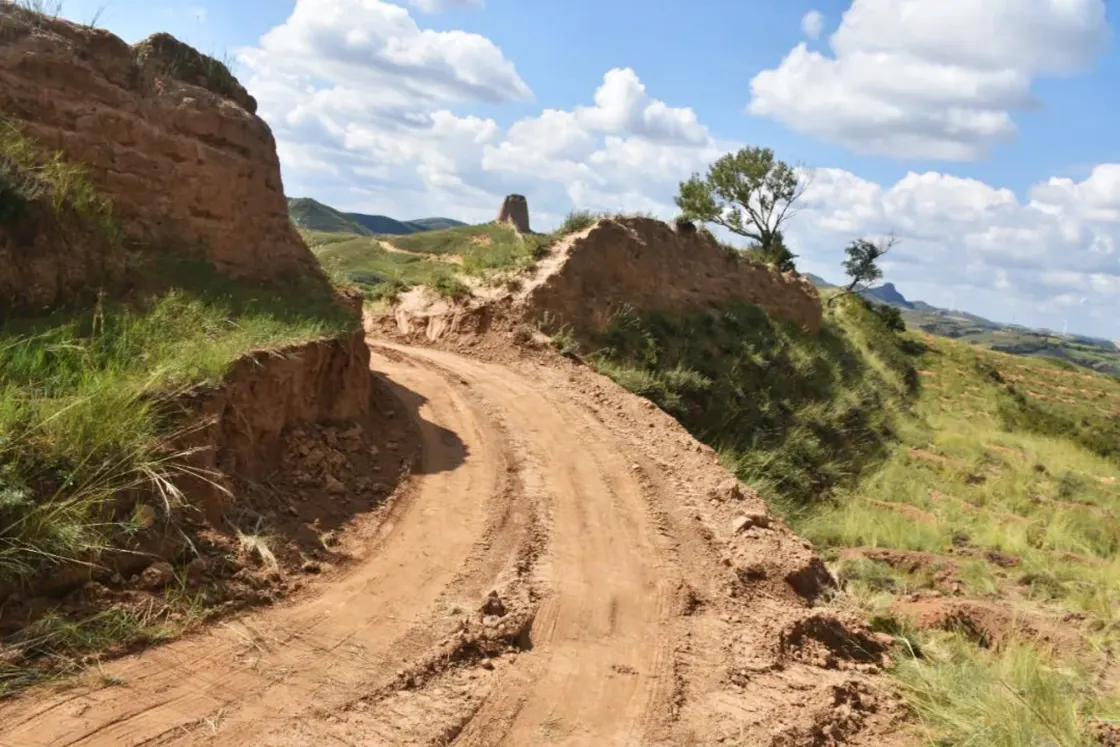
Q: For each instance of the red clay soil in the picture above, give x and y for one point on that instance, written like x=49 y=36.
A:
x=566 y=565
x=989 y=623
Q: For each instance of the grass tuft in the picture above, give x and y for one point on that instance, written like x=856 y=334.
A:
x=579 y=220
x=28 y=174
x=1017 y=697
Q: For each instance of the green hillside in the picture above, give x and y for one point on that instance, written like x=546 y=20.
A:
x=965 y=499
x=382 y=267
x=312 y=215
x=1086 y=352
x=383 y=224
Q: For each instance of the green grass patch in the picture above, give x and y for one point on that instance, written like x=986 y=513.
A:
x=381 y=274
x=579 y=220
x=436 y=259
x=1097 y=431
x=967 y=474
x=796 y=415
x=1019 y=696
x=491 y=246
x=84 y=396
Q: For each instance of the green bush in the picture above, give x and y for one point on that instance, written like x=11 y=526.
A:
x=890 y=316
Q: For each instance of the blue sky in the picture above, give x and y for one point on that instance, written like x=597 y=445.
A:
x=983 y=134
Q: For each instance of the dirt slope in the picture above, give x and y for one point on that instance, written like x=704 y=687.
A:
x=567 y=566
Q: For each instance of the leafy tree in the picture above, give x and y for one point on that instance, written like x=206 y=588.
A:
x=862 y=265
x=750 y=193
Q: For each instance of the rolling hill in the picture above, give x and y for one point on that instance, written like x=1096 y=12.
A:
x=313 y=215
x=1088 y=352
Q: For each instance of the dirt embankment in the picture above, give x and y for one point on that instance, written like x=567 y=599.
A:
x=167 y=134
x=588 y=277
x=645 y=264
x=244 y=444
x=243 y=422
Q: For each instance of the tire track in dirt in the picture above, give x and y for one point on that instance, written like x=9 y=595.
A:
x=245 y=676
x=601 y=668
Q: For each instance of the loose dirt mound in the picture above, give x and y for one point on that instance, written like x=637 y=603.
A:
x=989 y=624
x=566 y=567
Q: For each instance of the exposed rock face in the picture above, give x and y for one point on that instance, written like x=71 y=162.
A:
x=164 y=132
x=515 y=210
x=643 y=263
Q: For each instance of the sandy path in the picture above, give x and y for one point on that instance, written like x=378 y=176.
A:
x=633 y=614
x=594 y=673
x=277 y=664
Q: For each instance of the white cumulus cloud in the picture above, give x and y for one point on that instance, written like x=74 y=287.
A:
x=812 y=23
x=374 y=54
x=929 y=78
x=436 y=6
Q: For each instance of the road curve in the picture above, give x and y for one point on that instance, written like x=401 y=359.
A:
x=535 y=489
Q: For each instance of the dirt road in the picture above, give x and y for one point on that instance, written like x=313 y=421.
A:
x=558 y=571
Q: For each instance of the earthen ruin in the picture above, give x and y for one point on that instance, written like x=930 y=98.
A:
x=515 y=210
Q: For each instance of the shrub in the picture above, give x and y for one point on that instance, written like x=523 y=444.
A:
x=891 y=317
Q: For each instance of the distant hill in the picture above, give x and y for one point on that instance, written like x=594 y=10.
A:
x=1088 y=352
x=435 y=224
x=818 y=281
x=313 y=215
x=382 y=224
x=887 y=294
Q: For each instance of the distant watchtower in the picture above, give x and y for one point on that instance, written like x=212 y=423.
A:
x=515 y=210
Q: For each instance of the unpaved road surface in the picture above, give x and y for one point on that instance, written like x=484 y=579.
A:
x=566 y=566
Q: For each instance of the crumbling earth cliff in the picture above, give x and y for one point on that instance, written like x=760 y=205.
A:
x=165 y=133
